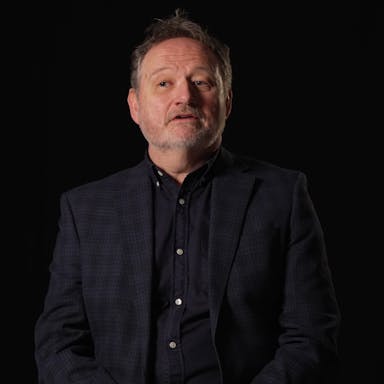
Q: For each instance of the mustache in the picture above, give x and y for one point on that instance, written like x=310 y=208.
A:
x=185 y=110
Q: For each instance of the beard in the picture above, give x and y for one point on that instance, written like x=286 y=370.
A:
x=198 y=138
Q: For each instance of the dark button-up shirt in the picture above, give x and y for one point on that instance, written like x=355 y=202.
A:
x=184 y=350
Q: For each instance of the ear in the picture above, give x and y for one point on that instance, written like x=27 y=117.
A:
x=228 y=103
x=133 y=105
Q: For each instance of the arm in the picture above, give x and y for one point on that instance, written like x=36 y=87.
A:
x=64 y=346
x=310 y=316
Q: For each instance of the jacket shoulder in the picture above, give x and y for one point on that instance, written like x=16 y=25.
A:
x=266 y=170
x=111 y=183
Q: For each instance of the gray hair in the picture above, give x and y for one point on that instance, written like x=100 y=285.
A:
x=179 y=25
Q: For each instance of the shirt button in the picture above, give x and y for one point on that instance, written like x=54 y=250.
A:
x=178 y=301
x=179 y=251
x=157 y=184
x=160 y=173
x=181 y=201
x=172 y=345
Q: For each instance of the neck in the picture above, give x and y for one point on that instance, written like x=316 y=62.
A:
x=178 y=163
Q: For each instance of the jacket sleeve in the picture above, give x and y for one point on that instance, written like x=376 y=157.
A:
x=309 y=320
x=64 y=349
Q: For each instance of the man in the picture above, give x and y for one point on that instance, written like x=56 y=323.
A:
x=195 y=266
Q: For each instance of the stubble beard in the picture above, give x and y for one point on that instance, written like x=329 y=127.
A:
x=200 y=138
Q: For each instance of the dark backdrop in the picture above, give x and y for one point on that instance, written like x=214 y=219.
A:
x=298 y=102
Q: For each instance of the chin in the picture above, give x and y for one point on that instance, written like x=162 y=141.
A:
x=201 y=139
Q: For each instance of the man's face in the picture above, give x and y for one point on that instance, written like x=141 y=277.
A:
x=180 y=101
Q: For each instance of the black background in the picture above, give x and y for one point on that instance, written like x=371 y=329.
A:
x=303 y=76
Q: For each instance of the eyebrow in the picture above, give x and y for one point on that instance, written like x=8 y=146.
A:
x=161 y=69
x=156 y=71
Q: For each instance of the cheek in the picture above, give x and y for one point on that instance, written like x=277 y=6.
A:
x=151 y=112
x=152 y=103
x=144 y=106
x=213 y=109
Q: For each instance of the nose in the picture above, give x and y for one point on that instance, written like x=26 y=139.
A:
x=185 y=93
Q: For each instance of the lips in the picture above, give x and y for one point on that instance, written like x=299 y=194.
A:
x=183 y=114
x=186 y=116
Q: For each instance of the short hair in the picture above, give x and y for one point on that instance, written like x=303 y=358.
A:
x=179 y=25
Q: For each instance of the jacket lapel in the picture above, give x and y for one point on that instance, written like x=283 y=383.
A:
x=136 y=218
x=230 y=196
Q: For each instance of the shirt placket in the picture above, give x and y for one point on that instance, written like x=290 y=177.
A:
x=179 y=289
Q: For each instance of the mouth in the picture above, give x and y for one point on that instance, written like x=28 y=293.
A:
x=184 y=116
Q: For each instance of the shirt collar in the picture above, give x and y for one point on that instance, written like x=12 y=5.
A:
x=196 y=178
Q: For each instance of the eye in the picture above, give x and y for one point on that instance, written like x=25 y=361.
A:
x=163 y=84
x=201 y=84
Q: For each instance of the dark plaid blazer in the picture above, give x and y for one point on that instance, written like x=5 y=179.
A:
x=273 y=310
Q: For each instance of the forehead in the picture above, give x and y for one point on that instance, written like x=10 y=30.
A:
x=178 y=51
